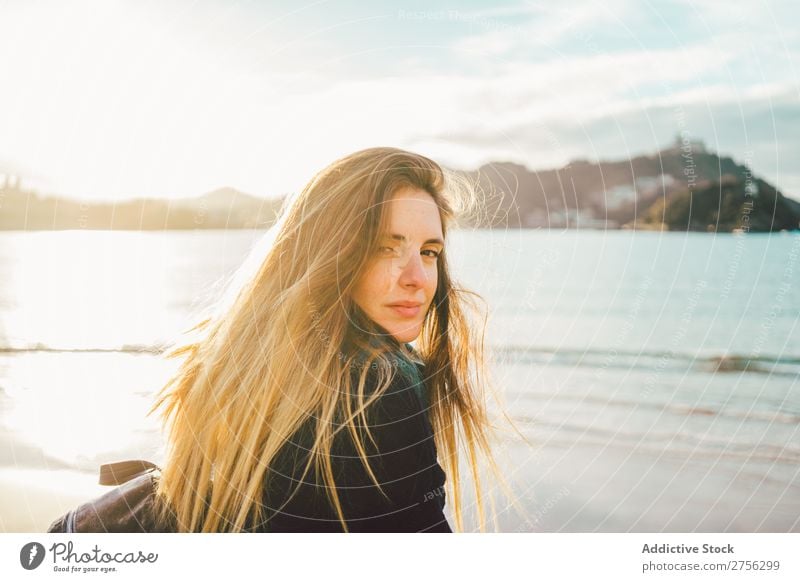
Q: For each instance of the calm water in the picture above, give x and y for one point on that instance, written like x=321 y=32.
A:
x=657 y=374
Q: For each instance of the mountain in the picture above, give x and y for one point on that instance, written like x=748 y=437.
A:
x=627 y=193
x=222 y=209
x=230 y=208
x=728 y=205
x=682 y=187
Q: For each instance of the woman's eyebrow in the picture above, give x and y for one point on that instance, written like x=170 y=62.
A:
x=402 y=238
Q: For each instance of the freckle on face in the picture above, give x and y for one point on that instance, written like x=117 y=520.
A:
x=409 y=272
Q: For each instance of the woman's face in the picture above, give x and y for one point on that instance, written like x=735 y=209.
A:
x=400 y=280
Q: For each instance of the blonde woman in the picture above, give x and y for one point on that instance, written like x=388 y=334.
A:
x=303 y=406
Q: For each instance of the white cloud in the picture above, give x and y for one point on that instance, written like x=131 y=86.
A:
x=112 y=102
x=547 y=25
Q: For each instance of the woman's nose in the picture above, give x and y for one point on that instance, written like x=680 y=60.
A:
x=413 y=271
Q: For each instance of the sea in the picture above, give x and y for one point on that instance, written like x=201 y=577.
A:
x=640 y=381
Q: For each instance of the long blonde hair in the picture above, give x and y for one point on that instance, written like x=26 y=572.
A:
x=282 y=352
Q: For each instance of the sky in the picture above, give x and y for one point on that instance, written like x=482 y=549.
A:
x=114 y=99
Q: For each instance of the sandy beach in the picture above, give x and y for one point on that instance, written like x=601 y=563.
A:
x=31 y=499
x=559 y=490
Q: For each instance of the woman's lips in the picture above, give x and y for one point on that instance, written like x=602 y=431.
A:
x=406 y=311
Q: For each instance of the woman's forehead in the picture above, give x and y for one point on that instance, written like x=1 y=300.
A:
x=413 y=213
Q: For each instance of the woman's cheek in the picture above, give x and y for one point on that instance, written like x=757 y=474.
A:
x=433 y=280
x=388 y=275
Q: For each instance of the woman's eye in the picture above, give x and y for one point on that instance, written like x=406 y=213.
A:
x=431 y=253
x=387 y=251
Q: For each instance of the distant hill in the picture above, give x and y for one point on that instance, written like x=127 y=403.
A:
x=728 y=205
x=625 y=193
x=229 y=208
x=683 y=187
x=225 y=208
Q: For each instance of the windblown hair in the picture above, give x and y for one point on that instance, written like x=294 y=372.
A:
x=283 y=352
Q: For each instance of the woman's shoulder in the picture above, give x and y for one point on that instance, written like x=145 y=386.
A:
x=403 y=378
x=400 y=433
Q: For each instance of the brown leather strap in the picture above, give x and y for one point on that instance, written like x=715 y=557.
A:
x=123 y=471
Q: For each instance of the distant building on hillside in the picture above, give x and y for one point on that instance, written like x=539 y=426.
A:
x=686 y=144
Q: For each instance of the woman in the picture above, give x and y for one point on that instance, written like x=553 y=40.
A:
x=303 y=406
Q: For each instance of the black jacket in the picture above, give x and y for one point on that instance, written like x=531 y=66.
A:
x=403 y=459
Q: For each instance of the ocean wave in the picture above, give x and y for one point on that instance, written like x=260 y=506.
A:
x=680 y=409
x=643 y=359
